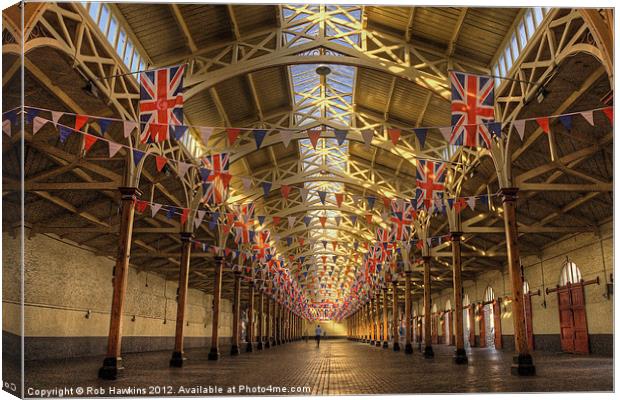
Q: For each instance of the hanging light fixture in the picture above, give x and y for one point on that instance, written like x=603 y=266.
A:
x=323 y=70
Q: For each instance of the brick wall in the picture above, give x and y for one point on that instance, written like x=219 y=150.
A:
x=63 y=282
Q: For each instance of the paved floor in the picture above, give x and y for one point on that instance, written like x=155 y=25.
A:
x=337 y=367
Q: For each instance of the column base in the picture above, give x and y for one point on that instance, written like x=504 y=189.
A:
x=396 y=346
x=177 y=359
x=214 y=354
x=385 y=345
x=112 y=368
x=259 y=345
x=523 y=365
x=408 y=348
x=428 y=352
x=234 y=350
x=460 y=356
x=249 y=348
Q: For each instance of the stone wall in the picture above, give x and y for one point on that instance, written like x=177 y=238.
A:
x=68 y=293
x=593 y=255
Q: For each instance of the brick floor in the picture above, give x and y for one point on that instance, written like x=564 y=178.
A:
x=337 y=367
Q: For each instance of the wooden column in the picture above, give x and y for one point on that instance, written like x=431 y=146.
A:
x=269 y=334
x=408 y=316
x=214 y=353
x=277 y=316
x=460 y=356
x=113 y=363
x=385 y=318
x=186 y=248
x=373 y=322
x=234 y=349
x=250 y=328
x=378 y=319
x=259 y=316
x=395 y=325
x=428 y=348
x=522 y=364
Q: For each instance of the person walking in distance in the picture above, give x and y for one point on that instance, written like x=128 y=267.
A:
x=318 y=335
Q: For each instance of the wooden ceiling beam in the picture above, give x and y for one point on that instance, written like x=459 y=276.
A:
x=457 y=30
x=178 y=16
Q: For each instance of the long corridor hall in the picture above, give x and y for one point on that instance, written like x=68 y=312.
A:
x=337 y=367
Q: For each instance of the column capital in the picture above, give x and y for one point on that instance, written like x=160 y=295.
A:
x=186 y=236
x=509 y=194
x=129 y=193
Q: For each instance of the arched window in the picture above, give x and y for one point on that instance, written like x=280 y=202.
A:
x=570 y=273
x=526 y=287
x=489 y=295
x=434 y=309
x=448 y=305
x=466 y=300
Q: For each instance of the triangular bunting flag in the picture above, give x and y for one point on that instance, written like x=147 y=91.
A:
x=286 y=137
x=64 y=133
x=339 y=198
x=285 y=190
x=137 y=156
x=323 y=220
x=266 y=188
x=588 y=116
x=367 y=135
x=314 y=137
x=337 y=219
x=233 y=134
x=184 y=215
x=394 y=135
x=113 y=148
x=322 y=196
x=160 y=161
x=104 y=124
x=128 y=127
x=543 y=122
x=89 y=140
x=421 y=133
x=291 y=222
x=495 y=128
x=80 y=121
x=6 y=127
x=341 y=135
x=567 y=121
x=471 y=202
x=276 y=220
x=179 y=131
x=37 y=124
x=446 y=132
x=56 y=117
x=247 y=182
x=307 y=220
x=182 y=168
x=520 y=127
x=259 y=136
x=370 y=202
x=261 y=219
x=368 y=218
x=609 y=113
x=205 y=134
x=154 y=209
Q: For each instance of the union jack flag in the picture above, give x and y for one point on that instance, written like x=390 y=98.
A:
x=219 y=178
x=429 y=179
x=383 y=235
x=244 y=223
x=473 y=104
x=261 y=246
x=161 y=103
x=401 y=211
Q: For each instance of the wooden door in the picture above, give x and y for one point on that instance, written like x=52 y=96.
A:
x=580 y=327
x=472 y=326
x=483 y=331
x=566 y=320
x=497 y=321
x=529 y=330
